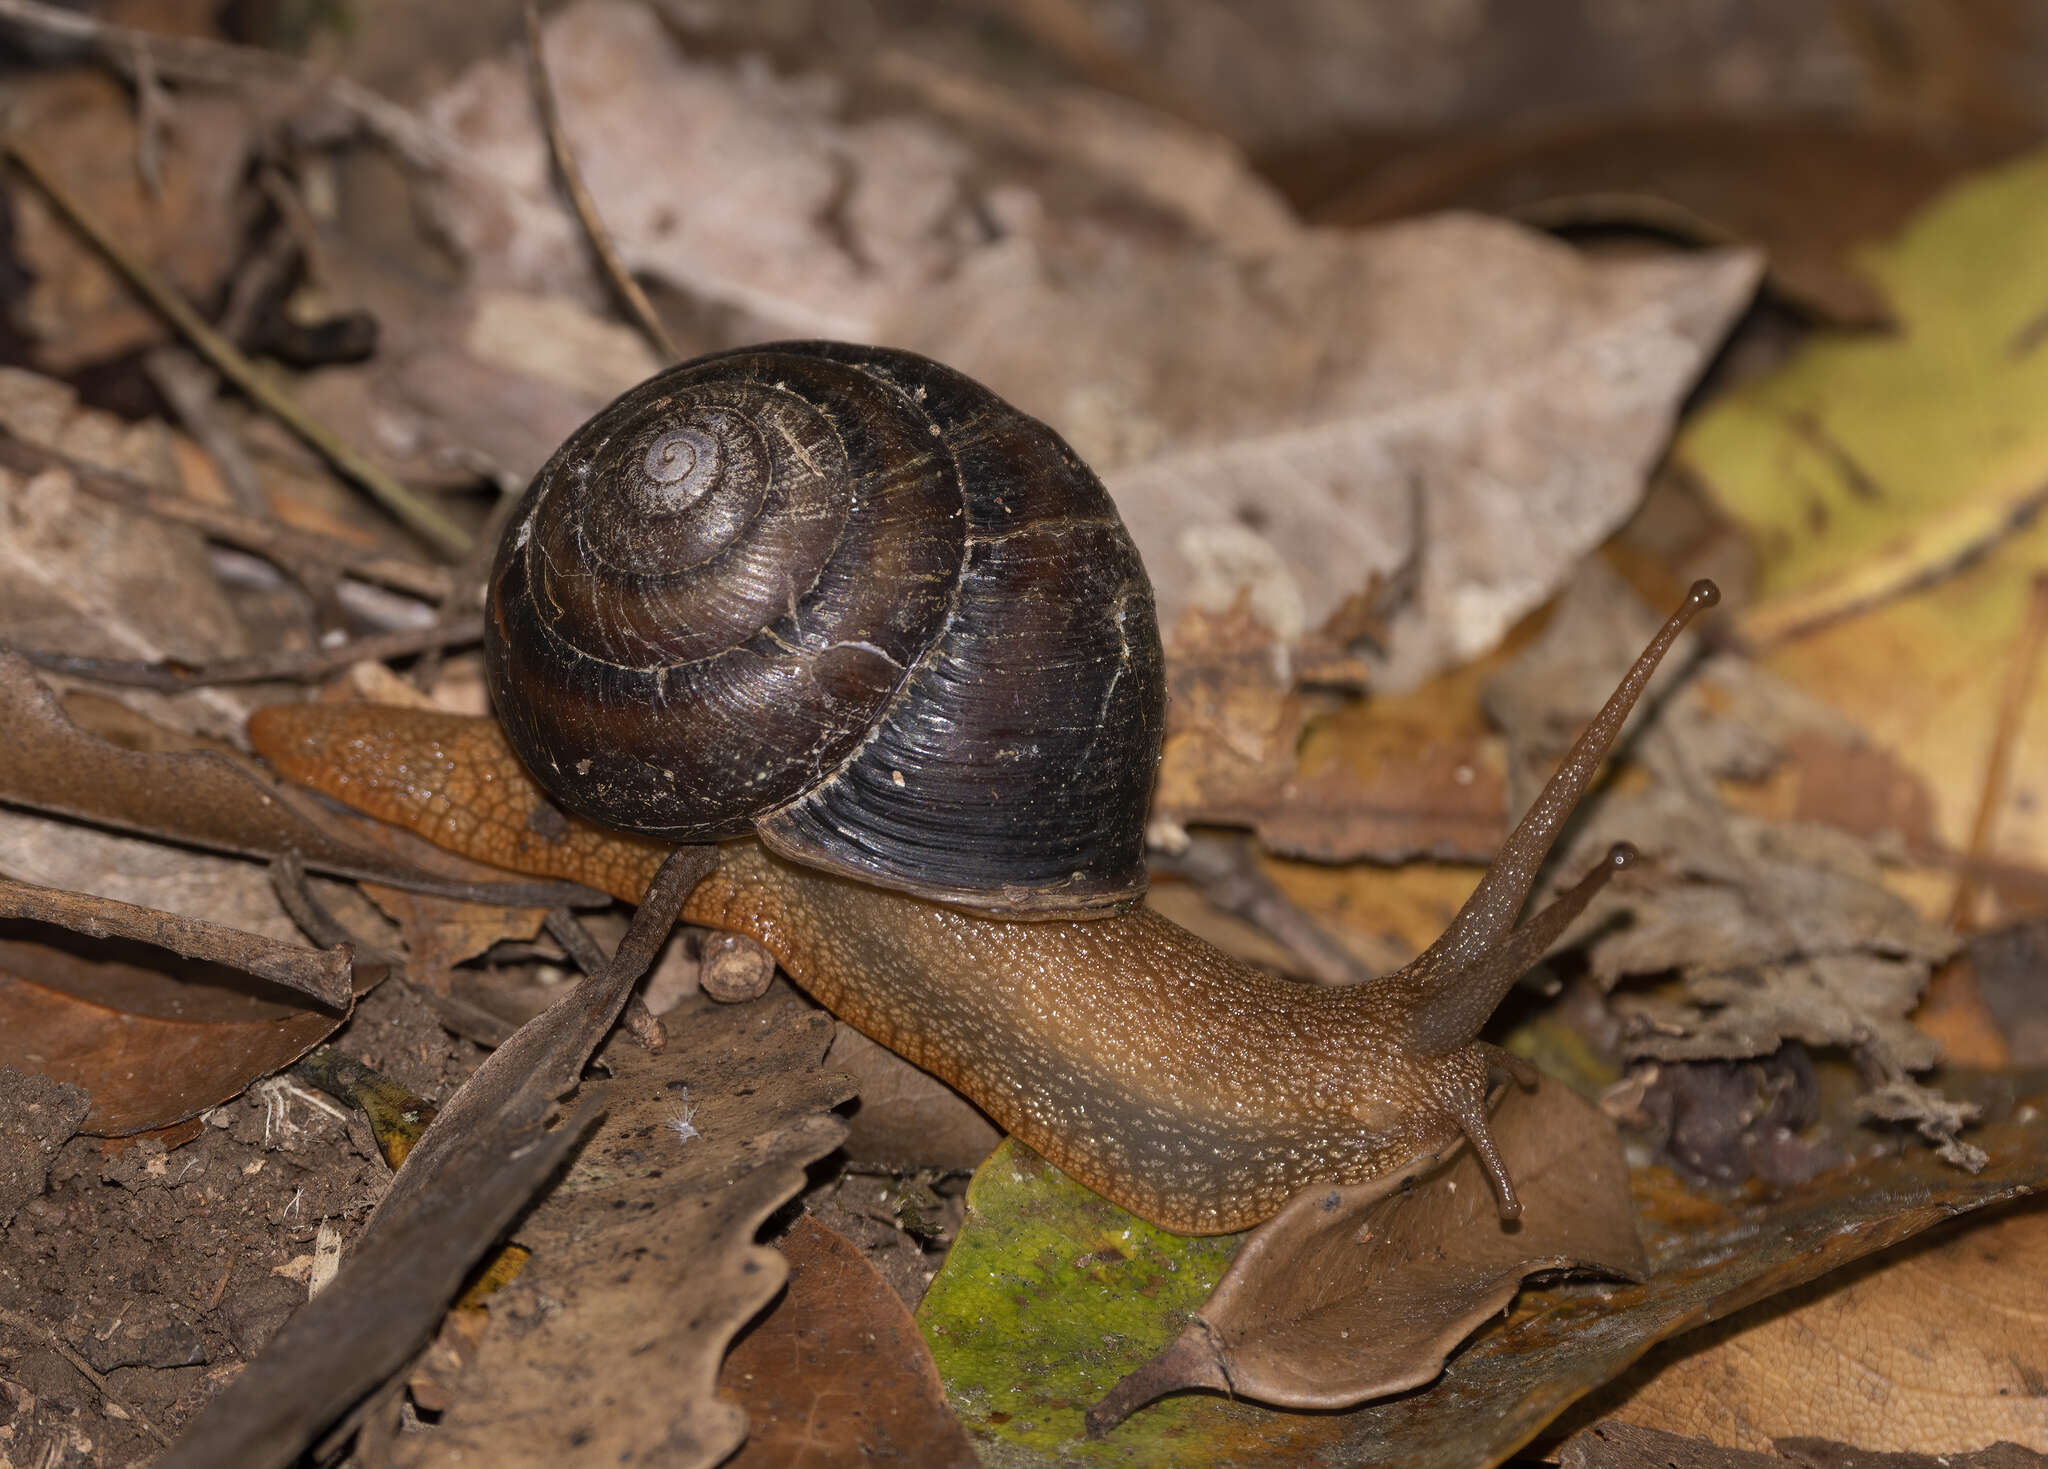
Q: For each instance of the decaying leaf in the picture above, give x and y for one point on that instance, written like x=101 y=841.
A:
x=1622 y=1445
x=1726 y=1122
x=322 y=974
x=1869 y=464
x=1350 y=1294
x=152 y=1042
x=1707 y=1260
x=836 y=1373
x=1628 y=1446
x=83 y=574
x=644 y=1266
x=203 y=797
x=1933 y=1348
x=1413 y=773
x=1777 y=930
x=1049 y=1292
x=441 y=932
x=1889 y=486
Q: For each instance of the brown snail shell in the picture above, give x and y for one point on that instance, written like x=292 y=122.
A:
x=849 y=599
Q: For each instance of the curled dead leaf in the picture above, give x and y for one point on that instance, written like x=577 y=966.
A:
x=153 y=1043
x=1356 y=1293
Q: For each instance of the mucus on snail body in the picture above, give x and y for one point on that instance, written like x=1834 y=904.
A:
x=847 y=601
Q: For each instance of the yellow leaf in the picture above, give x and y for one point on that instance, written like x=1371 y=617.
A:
x=1887 y=483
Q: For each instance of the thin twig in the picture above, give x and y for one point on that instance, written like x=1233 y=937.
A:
x=152 y=112
x=641 y=1023
x=1226 y=871
x=2020 y=673
x=290 y=547
x=322 y=974
x=192 y=389
x=318 y=923
x=84 y=1368
x=635 y=300
x=299 y=665
x=424 y=519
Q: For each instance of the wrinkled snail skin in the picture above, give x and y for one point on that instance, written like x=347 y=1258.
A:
x=947 y=770
x=1187 y=1086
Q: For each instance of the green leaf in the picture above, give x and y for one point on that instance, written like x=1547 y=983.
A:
x=1050 y=1295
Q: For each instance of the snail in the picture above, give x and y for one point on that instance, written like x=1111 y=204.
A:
x=882 y=635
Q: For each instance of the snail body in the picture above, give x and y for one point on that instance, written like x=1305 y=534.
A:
x=946 y=835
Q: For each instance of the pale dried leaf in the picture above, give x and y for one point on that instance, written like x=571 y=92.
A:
x=606 y=1349
x=1935 y=1348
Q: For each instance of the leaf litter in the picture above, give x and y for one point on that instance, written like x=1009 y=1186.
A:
x=1027 y=237
x=1775 y=931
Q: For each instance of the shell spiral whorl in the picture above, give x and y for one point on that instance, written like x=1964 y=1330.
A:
x=848 y=598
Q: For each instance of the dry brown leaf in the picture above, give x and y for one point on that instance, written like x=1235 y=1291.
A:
x=152 y=874
x=205 y=798
x=441 y=932
x=1807 y=191
x=83 y=128
x=644 y=1266
x=1707 y=1261
x=1820 y=1453
x=1621 y=1445
x=322 y=974
x=1408 y=775
x=1936 y=1348
x=82 y=574
x=1350 y=1294
x=836 y=1374
x=1628 y=1446
x=153 y=1041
